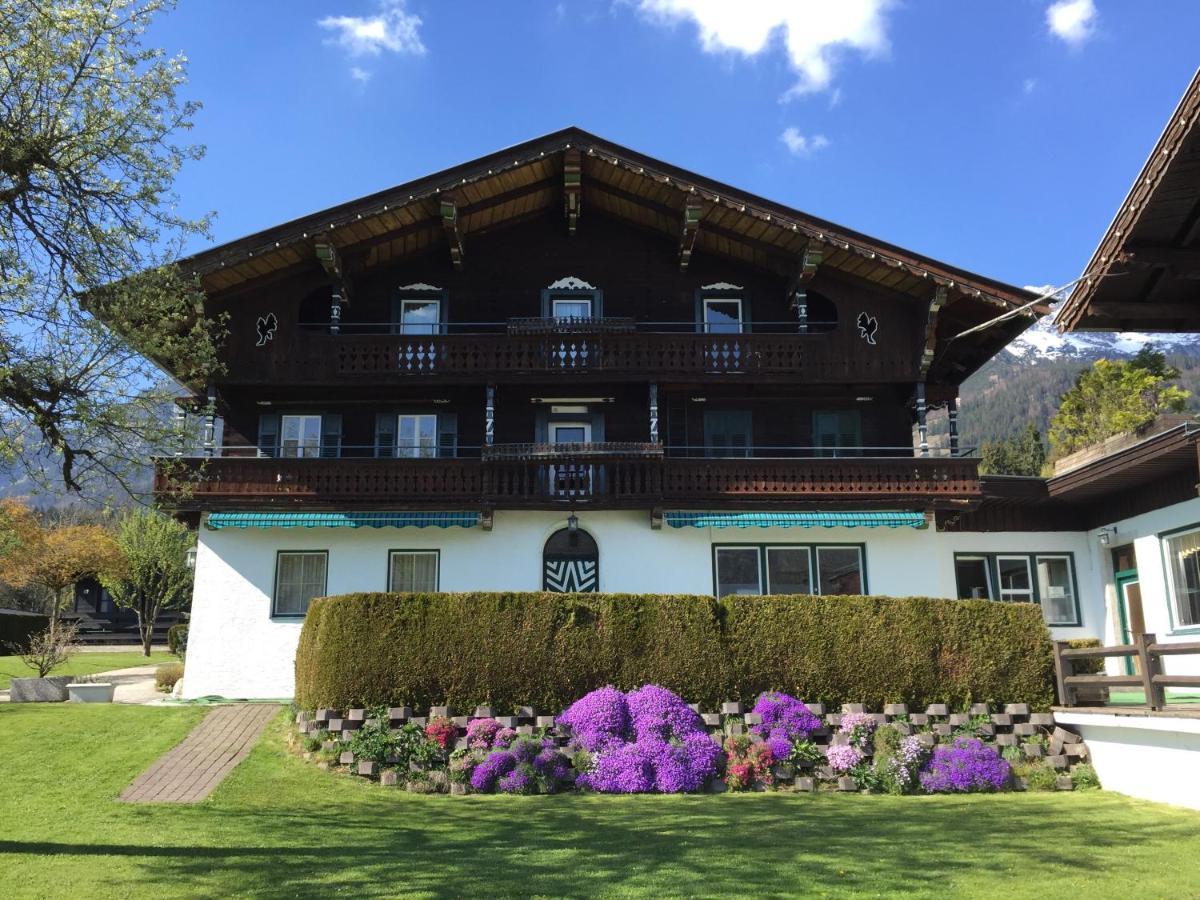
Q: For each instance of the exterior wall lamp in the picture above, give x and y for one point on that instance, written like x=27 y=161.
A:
x=1106 y=535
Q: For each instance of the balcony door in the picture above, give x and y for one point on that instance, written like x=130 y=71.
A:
x=838 y=433
x=570 y=479
x=300 y=437
x=722 y=315
x=417 y=436
x=727 y=432
x=417 y=315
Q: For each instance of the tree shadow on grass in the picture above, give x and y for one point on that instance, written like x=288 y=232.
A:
x=388 y=844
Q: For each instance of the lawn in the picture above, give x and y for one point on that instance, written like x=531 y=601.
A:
x=82 y=664
x=279 y=827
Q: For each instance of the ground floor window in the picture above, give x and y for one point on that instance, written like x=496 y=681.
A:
x=1044 y=578
x=413 y=571
x=299 y=577
x=788 y=569
x=1183 y=562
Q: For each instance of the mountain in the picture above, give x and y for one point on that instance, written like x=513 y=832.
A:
x=1024 y=382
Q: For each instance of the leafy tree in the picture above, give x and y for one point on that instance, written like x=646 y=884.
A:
x=156 y=575
x=1024 y=454
x=88 y=226
x=1115 y=397
x=54 y=558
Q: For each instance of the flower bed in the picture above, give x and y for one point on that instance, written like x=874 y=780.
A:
x=650 y=741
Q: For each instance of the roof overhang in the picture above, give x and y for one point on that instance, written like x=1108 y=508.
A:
x=1145 y=275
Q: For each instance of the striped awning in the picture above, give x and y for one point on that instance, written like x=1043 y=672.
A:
x=796 y=519
x=459 y=519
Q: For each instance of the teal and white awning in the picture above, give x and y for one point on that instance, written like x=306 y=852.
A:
x=459 y=519
x=795 y=519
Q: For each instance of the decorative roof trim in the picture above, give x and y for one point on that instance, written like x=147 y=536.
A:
x=418 y=286
x=721 y=286
x=570 y=283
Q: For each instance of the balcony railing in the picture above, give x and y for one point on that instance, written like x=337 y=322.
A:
x=594 y=475
x=607 y=348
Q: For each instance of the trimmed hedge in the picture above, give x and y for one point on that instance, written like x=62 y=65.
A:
x=17 y=628
x=547 y=650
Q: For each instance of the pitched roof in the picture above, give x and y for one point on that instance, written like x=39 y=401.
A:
x=1144 y=274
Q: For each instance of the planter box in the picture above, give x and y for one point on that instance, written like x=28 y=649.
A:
x=806 y=784
x=51 y=689
x=457 y=790
x=96 y=692
x=846 y=783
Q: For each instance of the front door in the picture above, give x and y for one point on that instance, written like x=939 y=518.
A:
x=571 y=479
x=1133 y=621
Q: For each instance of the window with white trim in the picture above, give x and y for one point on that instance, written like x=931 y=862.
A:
x=738 y=570
x=300 y=437
x=788 y=569
x=413 y=570
x=1183 y=564
x=419 y=315
x=1016 y=584
x=1047 y=579
x=722 y=315
x=416 y=436
x=299 y=577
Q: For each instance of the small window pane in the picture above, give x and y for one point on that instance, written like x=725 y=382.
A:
x=840 y=570
x=971 y=573
x=738 y=571
x=299 y=578
x=300 y=436
x=572 y=308
x=419 y=316
x=1015 y=582
x=414 y=571
x=1184 y=552
x=1056 y=589
x=788 y=570
x=723 y=316
x=417 y=437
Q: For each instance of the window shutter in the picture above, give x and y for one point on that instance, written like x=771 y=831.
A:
x=447 y=427
x=268 y=434
x=331 y=434
x=541 y=426
x=385 y=434
x=597 y=427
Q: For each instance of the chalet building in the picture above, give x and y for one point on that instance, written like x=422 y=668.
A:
x=567 y=366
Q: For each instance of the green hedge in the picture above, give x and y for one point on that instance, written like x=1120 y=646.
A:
x=546 y=650
x=16 y=629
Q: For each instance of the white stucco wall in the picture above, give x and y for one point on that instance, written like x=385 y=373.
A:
x=236 y=649
x=1143 y=533
x=1154 y=758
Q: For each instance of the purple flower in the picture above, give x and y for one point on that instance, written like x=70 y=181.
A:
x=481 y=733
x=784 y=718
x=859 y=726
x=966 y=765
x=598 y=719
x=781 y=747
x=843 y=757
x=483 y=779
x=518 y=781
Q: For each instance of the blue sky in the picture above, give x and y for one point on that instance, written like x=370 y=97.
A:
x=999 y=137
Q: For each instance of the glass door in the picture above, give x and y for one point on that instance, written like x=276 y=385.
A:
x=570 y=479
x=1133 y=619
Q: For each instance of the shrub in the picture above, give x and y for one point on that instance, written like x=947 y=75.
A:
x=16 y=628
x=1041 y=778
x=167 y=675
x=898 y=760
x=529 y=766
x=1084 y=777
x=177 y=636
x=967 y=765
x=426 y=649
x=748 y=763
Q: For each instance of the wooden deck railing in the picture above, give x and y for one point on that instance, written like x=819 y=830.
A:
x=616 y=478
x=1148 y=654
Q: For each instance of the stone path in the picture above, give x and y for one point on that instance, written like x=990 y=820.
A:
x=196 y=765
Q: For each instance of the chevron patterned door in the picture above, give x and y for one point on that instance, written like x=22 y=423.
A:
x=570 y=562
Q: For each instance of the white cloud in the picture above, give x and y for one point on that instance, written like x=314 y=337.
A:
x=392 y=29
x=360 y=74
x=1029 y=85
x=802 y=145
x=1074 y=21
x=813 y=32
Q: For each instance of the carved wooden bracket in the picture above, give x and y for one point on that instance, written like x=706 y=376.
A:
x=572 y=188
x=691 y=228
x=453 y=235
x=927 y=351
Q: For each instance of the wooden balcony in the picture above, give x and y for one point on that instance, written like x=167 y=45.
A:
x=601 y=476
x=313 y=357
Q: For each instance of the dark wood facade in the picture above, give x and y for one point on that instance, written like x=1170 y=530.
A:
x=763 y=356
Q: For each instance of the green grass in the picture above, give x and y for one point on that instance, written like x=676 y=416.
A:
x=278 y=827
x=82 y=664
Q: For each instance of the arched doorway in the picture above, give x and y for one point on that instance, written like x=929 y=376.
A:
x=570 y=562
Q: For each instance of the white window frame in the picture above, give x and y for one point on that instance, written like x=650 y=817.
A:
x=415 y=451
x=1179 y=620
x=808 y=553
x=303 y=449
x=418 y=327
x=1043 y=591
x=279 y=557
x=1013 y=595
x=741 y=320
x=437 y=568
x=586 y=299
x=758 y=563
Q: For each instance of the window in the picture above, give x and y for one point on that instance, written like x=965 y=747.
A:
x=838 y=432
x=413 y=570
x=1056 y=588
x=722 y=315
x=571 y=307
x=971 y=574
x=840 y=570
x=727 y=432
x=299 y=576
x=419 y=315
x=566 y=304
x=1015 y=583
x=300 y=436
x=1047 y=579
x=738 y=571
x=788 y=569
x=416 y=436
x=1183 y=561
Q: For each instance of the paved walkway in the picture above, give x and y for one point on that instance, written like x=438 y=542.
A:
x=196 y=765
